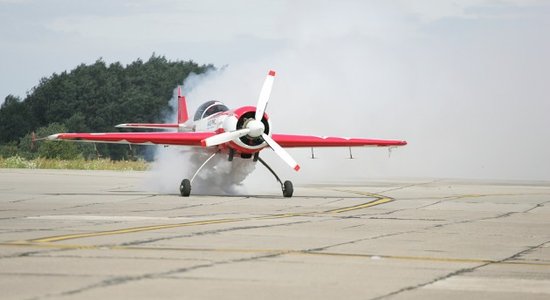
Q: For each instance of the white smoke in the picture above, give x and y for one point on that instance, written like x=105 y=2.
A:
x=174 y=163
x=219 y=176
x=466 y=89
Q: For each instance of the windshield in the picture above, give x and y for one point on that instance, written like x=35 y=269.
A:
x=209 y=108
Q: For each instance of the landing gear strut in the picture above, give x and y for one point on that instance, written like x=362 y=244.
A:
x=185 y=186
x=287 y=187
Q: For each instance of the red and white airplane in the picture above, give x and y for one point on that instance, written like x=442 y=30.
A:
x=241 y=132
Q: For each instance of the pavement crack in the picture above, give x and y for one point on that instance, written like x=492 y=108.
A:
x=31 y=253
x=406 y=219
x=462 y=271
x=449 y=275
x=357 y=241
x=208 y=232
x=527 y=251
x=22 y=200
x=538 y=205
x=82 y=205
x=409 y=185
x=166 y=209
x=119 y=280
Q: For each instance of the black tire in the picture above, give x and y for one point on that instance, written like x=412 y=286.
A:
x=288 y=189
x=185 y=188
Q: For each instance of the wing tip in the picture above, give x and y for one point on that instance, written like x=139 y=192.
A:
x=271 y=73
x=297 y=168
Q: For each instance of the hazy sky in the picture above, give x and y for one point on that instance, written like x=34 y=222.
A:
x=467 y=83
x=41 y=37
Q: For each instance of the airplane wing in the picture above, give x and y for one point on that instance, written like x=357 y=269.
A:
x=306 y=141
x=144 y=138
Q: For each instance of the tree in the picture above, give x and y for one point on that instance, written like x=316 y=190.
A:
x=96 y=97
x=15 y=119
x=8 y=150
x=55 y=149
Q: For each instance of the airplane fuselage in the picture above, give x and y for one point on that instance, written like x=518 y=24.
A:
x=232 y=120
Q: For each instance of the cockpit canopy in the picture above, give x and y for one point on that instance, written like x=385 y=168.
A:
x=209 y=108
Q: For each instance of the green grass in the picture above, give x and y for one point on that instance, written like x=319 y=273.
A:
x=17 y=162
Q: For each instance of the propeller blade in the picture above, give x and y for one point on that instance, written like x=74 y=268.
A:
x=281 y=152
x=264 y=95
x=224 y=137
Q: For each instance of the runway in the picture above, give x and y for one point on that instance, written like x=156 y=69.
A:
x=98 y=234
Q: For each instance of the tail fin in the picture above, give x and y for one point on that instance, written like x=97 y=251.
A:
x=182 y=108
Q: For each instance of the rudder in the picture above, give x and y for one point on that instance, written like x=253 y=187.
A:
x=182 y=108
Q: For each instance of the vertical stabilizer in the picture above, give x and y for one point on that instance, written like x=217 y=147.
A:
x=182 y=108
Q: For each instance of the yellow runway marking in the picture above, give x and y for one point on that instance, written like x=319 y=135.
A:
x=281 y=251
x=130 y=230
x=379 y=199
x=360 y=206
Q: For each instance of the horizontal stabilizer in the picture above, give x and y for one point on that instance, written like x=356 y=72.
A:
x=147 y=125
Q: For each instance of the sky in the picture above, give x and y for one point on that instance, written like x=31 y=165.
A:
x=464 y=82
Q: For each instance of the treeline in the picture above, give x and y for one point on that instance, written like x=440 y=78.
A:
x=91 y=98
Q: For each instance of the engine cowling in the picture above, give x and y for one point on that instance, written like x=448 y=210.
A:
x=238 y=120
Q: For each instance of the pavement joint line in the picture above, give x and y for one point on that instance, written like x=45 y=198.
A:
x=463 y=271
x=284 y=251
x=131 y=230
x=379 y=199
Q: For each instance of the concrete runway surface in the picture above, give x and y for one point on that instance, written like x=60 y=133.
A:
x=98 y=235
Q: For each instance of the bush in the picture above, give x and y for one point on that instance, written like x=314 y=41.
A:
x=48 y=149
x=8 y=150
x=17 y=162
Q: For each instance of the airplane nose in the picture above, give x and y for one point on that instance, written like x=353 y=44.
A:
x=256 y=128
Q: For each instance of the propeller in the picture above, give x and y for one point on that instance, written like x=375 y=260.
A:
x=281 y=152
x=225 y=137
x=255 y=128
x=264 y=95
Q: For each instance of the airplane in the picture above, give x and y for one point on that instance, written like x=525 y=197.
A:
x=242 y=132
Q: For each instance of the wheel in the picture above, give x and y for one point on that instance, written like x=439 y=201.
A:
x=185 y=188
x=288 y=189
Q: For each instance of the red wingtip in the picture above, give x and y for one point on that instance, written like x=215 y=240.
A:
x=297 y=168
x=179 y=91
x=271 y=73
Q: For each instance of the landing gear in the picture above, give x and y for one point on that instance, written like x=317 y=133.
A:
x=287 y=187
x=185 y=186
